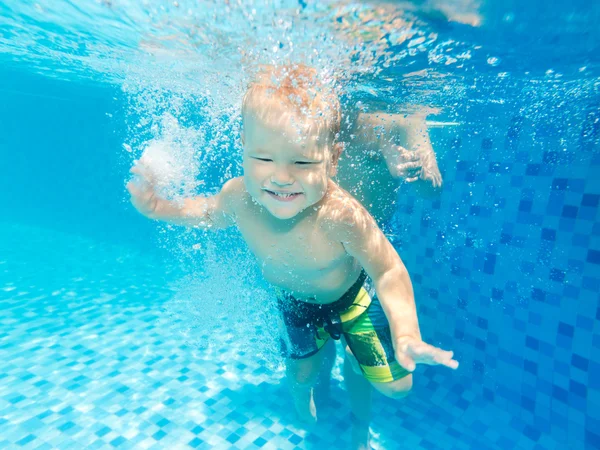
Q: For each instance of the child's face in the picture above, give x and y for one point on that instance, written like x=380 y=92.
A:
x=284 y=171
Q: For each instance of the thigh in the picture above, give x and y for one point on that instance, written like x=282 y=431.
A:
x=370 y=342
x=395 y=388
x=299 y=339
x=305 y=370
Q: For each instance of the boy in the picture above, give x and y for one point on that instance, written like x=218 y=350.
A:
x=315 y=243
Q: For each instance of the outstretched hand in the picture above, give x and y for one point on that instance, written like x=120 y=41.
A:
x=411 y=351
x=142 y=191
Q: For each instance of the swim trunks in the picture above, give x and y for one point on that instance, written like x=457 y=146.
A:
x=357 y=315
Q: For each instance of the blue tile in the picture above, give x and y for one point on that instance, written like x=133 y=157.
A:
x=590 y=200
x=593 y=256
x=259 y=442
x=565 y=329
x=103 y=431
x=118 y=441
x=26 y=440
x=196 y=442
x=233 y=438
x=159 y=435
x=579 y=362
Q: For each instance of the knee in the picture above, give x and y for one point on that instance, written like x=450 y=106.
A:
x=301 y=374
x=396 y=389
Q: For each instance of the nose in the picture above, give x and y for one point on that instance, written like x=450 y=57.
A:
x=281 y=177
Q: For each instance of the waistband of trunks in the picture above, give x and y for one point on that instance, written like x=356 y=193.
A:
x=305 y=309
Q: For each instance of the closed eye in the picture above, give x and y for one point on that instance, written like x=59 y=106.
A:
x=262 y=159
x=303 y=163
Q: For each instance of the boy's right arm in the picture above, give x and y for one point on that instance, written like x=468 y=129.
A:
x=214 y=211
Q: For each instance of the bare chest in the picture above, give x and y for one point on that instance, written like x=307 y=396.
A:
x=300 y=256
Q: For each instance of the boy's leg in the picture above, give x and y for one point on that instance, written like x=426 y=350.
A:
x=323 y=385
x=302 y=376
x=360 y=393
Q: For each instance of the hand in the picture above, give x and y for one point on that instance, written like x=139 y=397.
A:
x=417 y=165
x=143 y=192
x=409 y=165
x=430 y=171
x=411 y=351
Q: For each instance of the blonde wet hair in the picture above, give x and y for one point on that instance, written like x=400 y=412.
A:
x=294 y=92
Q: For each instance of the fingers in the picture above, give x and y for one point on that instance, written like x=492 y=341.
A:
x=433 y=176
x=445 y=359
x=408 y=169
x=406 y=361
x=415 y=165
x=418 y=352
x=134 y=191
x=142 y=171
x=407 y=155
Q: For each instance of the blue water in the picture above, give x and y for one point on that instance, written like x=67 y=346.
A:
x=116 y=332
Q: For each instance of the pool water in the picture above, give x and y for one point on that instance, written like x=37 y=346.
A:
x=116 y=332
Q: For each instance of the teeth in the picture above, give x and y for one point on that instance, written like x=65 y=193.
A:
x=283 y=195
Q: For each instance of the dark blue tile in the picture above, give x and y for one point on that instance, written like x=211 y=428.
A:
x=196 y=442
x=528 y=403
x=593 y=257
x=592 y=439
x=489 y=263
x=557 y=275
x=159 y=435
x=482 y=323
x=533 y=169
x=560 y=184
x=103 y=431
x=259 y=442
x=530 y=366
x=565 y=329
x=577 y=388
x=233 y=438
x=26 y=440
x=163 y=422
x=525 y=205
x=531 y=433
x=295 y=439
x=569 y=211
x=66 y=426
x=590 y=200
x=560 y=394
x=532 y=343
x=538 y=294
x=118 y=441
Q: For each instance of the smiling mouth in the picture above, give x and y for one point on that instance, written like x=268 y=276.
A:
x=283 y=196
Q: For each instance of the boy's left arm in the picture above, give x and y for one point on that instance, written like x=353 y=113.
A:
x=363 y=239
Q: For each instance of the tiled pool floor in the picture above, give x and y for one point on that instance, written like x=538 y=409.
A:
x=88 y=360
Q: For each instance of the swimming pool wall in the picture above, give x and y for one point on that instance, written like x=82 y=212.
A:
x=506 y=265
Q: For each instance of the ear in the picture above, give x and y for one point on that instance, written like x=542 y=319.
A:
x=242 y=138
x=336 y=151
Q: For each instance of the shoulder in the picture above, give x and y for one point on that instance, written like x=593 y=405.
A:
x=233 y=186
x=232 y=192
x=344 y=217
